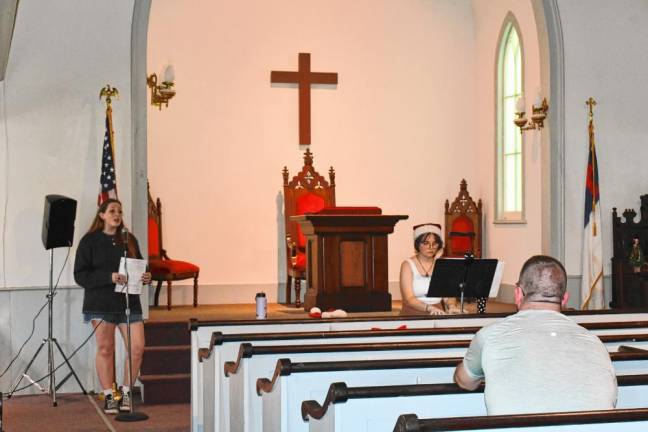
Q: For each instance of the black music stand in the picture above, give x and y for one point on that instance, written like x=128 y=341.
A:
x=462 y=277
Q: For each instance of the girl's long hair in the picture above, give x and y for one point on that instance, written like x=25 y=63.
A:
x=98 y=224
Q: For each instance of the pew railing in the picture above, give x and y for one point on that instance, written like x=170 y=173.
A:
x=411 y=422
x=339 y=393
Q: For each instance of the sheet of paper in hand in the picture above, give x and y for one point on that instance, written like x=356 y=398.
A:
x=133 y=268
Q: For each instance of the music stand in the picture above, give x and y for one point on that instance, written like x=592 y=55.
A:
x=467 y=277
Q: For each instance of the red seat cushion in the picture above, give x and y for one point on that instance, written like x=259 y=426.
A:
x=153 y=239
x=164 y=267
x=460 y=244
x=300 y=261
x=350 y=211
x=307 y=203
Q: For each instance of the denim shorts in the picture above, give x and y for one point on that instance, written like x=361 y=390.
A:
x=112 y=318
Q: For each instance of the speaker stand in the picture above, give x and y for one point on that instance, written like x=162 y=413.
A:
x=51 y=343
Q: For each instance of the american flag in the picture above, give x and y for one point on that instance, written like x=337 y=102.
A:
x=592 y=279
x=108 y=178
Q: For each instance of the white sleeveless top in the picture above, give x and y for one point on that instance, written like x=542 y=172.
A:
x=421 y=284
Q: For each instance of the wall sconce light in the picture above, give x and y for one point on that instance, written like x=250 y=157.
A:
x=538 y=114
x=160 y=94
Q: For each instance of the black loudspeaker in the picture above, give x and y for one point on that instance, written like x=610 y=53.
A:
x=58 y=221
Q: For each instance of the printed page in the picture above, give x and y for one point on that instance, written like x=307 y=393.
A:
x=133 y=268
x=497 y=279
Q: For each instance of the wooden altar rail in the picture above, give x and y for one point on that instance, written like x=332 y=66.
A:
x=620 y=418
x=195 y=324
x=339 y=392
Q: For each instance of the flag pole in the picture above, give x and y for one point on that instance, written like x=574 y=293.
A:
x=594 y=192
x=591 y=102
x=109 y=93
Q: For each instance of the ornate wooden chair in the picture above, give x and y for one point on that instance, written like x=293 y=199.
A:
x=307 y=192
x=630 y=275
x=463 y=225
x=161 y=266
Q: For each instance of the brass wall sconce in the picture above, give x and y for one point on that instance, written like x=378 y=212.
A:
x=161 y=93
x=538 y=114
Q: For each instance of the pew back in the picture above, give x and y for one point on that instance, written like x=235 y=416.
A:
x=376 y=409
x=281 y=399
x=245 y=408
x=201 y=335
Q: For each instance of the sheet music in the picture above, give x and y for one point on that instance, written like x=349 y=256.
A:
x=497 y=279
x=135 y=269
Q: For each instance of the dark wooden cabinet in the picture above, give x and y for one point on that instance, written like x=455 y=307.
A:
x=347 y=260
x=629 y=287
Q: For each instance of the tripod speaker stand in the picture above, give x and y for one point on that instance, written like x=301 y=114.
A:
x=58 y=231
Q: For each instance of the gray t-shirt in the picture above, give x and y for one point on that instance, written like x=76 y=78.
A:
x=541 y=361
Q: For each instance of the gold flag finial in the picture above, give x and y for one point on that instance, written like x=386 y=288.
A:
x=108 y=92
x=591 y=102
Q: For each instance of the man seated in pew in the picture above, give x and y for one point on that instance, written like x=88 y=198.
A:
x=539 y=360
x=415 y=272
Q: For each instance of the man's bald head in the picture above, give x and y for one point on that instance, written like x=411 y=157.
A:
x=543 y=279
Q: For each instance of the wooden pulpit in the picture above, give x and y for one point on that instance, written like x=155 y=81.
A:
x=346 y=255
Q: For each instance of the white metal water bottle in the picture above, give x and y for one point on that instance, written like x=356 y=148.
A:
x=261 y=305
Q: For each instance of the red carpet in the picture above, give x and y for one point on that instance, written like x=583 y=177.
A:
x=76 y=413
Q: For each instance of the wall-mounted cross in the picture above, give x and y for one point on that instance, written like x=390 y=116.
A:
x=304 y=78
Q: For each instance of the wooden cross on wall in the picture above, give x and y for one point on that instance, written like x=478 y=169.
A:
x=303 y=77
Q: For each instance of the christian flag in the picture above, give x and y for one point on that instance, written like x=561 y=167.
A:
x=108 y=179
x=592 y=280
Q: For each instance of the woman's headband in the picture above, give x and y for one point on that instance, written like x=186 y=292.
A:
x=427 y=228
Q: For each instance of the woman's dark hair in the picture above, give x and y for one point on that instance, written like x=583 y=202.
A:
x=98 y=224
x=420 y=239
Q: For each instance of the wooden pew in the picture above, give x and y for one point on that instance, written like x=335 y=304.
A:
x=208 y=372
x=226 y=347
x=254 y=362
x=202 y=331
x=293 y=383
x=627 y=420
x=377 y=408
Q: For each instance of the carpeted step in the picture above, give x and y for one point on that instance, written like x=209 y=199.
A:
x=166 y=389
x=171 y=359
x=167 y=333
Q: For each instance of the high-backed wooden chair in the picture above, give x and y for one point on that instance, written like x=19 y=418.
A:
x=463 y=225
x=161 y=266
x=307 y=192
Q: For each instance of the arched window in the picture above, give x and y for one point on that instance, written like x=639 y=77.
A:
x=510 y=157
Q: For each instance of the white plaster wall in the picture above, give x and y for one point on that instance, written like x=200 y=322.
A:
x=52 y=121
x=605 y=58
x=62 y=54
x=394 y=128
x=511 y=243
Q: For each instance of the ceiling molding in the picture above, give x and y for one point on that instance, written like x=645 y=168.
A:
x=8 y=10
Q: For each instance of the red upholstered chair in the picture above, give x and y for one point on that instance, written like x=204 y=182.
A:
x=161 y=266
x=463 y=225
x=307 y=192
